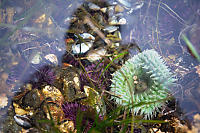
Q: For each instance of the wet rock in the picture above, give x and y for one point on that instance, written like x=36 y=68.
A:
x=31 y=99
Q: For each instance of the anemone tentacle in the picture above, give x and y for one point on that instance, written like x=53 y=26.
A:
x=149 y=79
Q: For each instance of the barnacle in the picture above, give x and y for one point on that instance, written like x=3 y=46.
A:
x=146 y=79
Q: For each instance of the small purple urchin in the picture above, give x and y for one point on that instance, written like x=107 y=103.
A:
x=94 y=72
x=45 y=75
x=71 y=111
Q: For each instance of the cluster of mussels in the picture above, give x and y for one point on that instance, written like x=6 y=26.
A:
x=55 y=94
x=98 y=27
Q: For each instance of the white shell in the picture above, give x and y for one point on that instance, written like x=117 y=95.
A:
x=119 y=8
x=77 y=81
x=52 y=58
x=96 y=54
x=103 y=9
x=87 y=36
x=22 y=121
x=138 y=5
x=125 y=3
x=122 y=21
x=116 y=44
x=131 y=5
x=118 y=34
x=115 y=21
x=86 y=89
x=111 y=29
x=36 y=58
x=93 y=6
x=84 y=47
x=70 y=19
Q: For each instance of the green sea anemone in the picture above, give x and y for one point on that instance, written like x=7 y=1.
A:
x=144 y=80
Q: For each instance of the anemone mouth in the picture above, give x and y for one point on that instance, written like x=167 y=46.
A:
x=145 y=79
x=141 y=82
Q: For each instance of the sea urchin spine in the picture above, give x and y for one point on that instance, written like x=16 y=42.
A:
x=146 y=79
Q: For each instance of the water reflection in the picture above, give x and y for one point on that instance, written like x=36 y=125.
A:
x=33 y=41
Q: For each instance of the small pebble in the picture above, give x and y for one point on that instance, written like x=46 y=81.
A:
x=119 y=8
x=3 y=100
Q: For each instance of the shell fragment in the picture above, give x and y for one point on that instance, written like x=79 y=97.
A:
x=93 y=6
x=138 y=5
x=111 y=29
x=52 y=58
x=87 y=36
x=115 y=21
x=36 y=58
x=85 y=46
x=81 y=48
x=70 y=20
x=125 y=3
x=103 y=9
x=96 y=54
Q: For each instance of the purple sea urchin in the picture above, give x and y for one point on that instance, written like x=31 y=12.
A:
x=146 y=79
x=94 y=72
x=45 y=75
x=71 y=111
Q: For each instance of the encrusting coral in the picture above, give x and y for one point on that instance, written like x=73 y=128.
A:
x=144 y=80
